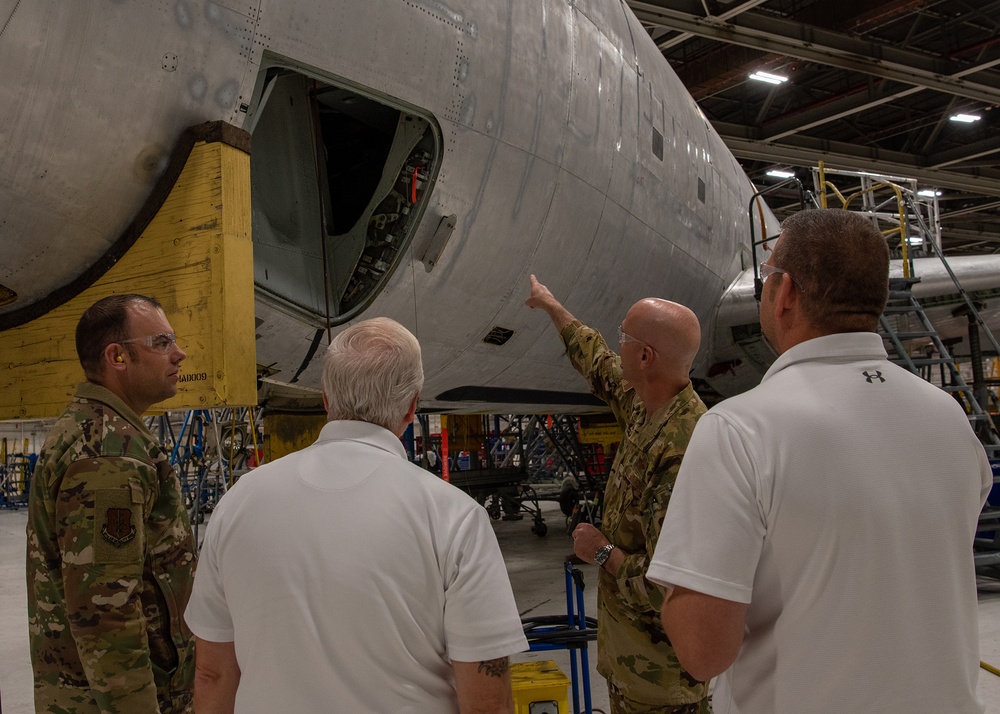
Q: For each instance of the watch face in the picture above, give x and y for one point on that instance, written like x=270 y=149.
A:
x=602 y=554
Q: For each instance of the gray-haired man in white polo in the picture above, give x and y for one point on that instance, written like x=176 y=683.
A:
x=345 y=577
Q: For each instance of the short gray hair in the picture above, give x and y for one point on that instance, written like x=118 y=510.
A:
x=371 y=372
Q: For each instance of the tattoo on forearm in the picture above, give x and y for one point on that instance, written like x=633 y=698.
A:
x=495 y=667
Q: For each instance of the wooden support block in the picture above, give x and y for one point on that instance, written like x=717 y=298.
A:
x=195 y=255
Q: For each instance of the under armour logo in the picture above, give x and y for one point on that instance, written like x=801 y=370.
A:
x=870 y=378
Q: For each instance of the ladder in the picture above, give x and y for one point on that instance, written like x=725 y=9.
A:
x=902 y=305
x=562 y=433
x=901 y=308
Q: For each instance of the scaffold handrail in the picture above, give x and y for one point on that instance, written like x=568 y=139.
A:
x=969 y=302
x=901 y=206
x=755 y=211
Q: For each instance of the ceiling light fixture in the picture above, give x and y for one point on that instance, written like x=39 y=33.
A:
x=768 y=77
x=965 y=118
x=929 y=192
x=777 y=173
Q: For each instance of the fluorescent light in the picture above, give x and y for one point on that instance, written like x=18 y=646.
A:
x=768 y=77
x=929 y=192
x=780 y=174
x=965 y=118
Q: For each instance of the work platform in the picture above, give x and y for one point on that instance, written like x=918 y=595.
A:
x=511 y=463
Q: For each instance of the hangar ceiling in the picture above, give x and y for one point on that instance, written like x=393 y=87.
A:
x=871 y=86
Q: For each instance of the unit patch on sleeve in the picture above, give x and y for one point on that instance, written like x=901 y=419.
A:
x=118 y=529
x=115 y=519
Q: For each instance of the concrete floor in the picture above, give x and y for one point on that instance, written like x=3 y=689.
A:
x=535 y=567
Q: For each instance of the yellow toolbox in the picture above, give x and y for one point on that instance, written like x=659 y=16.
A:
x=539 y=688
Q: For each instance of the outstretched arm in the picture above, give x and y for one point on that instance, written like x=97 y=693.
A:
x=542 y=298
x=484 y=687
x=590 y=354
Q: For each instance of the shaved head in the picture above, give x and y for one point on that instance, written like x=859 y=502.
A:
x=669 y=328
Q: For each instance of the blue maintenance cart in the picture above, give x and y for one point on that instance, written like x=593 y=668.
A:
x=570 y=632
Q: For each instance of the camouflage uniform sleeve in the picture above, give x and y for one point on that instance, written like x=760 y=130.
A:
x=639 y=593
x=601 y=367
x=103 y=507
x=666 y=453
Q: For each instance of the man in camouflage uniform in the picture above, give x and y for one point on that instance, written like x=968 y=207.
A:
x=110 y=558
x=648 y=389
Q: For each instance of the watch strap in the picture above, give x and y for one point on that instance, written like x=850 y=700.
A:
x=602 y=554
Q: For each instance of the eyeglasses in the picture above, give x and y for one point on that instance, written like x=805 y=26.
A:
x=159 y=343
x=624 y=337
x=767 y=270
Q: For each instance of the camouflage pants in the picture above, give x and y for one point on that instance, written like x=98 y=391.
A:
x=79 y=700
x=180 y=704
x=623 y=705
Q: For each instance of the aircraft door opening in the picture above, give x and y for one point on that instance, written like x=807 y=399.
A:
x=339 y=180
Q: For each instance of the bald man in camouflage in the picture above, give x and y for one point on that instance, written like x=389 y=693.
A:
x=110 y=558
x=650 y=394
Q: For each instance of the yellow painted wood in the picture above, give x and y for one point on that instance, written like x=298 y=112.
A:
x=287 y=433
x=196 y=258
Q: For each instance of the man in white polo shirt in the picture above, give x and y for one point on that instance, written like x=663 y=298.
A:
x=818 y=543
x=343 y=577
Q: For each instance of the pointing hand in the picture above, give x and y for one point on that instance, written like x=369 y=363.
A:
x=540 y=295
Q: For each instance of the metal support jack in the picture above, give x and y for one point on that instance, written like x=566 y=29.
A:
x=572 y=632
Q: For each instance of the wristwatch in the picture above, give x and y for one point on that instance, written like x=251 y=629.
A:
x=602 y=554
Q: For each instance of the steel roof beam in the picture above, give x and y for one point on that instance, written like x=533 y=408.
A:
x=730 y=13
x=968 y=152
x=844 y=106
x=807 y=152
x=962 y=212
x=838 y=108
x=835 y=49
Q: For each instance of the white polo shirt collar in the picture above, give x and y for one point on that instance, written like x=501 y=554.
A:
x=364 y=432
x=846 y=345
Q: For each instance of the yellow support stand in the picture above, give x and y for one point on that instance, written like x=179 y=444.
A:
x=194 y=254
